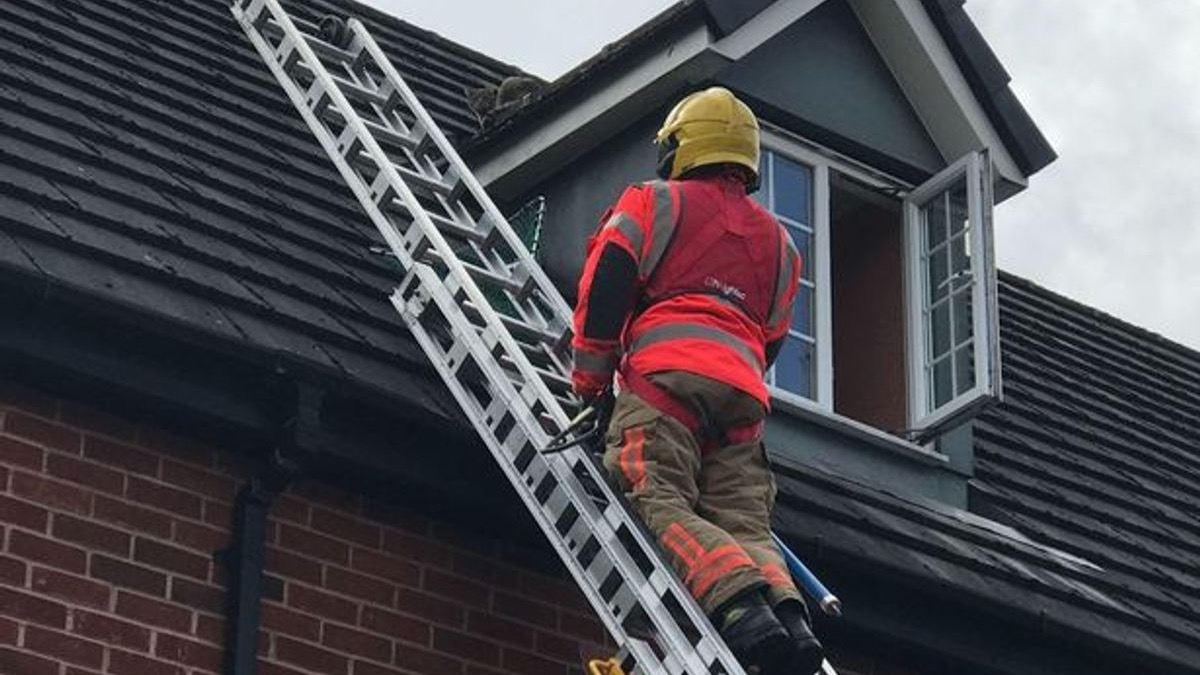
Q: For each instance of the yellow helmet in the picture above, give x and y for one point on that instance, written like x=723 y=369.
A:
x=708 y=127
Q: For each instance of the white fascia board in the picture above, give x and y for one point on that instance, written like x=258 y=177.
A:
x=765 y=25
x=609 y=107
x=924 y=67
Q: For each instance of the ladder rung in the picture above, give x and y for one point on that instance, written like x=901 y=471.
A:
x=322 y=48
x=442 y=223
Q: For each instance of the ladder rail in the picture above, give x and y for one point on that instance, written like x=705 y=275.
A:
x=512 y=387
x=463 y=173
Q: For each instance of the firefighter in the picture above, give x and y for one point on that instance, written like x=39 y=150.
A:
x=686 y=295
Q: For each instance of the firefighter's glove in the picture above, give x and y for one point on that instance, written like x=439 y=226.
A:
x=589 y=385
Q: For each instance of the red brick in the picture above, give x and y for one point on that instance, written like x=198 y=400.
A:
x=70 y=587
x=310 y=657
x=292 y=566
x=89 y=474
x=382 y=565
x=120 y=455
x=47 y=551
x=343 y=527
x=9 y=631
x=438 y=610
x=21 y=663
x=218 y=513
x=75 y=670
x=501 y=630
x=16 y=452
x=322 y=604
x=180 y=448
x=128 y=663
x=494 y=575
x=356 y=642
x=21 y=513
x=417 y=660
x=128 y=575
x=26 y=607
x=42 y=432
x=163 y=497
x=12 y=571
x=51 y=493
x=465 y=646
x=587 y=627
x=90 y=534
x=417 y=549
x=93 y=420
x=195 y=479
x=135 y=517
x=314 y=545
x=110 y=630
x=559 y=647
x=460 y=589
x=368 y=668
x=64 y=647
x=210 y=628
x=359 y=586
x=154 y=612
x=170 y=558
x=198 y=596
x=396 y=515
x=201 y=537
x=329 y=496
x=531 y=664
x=188 y=652
x=268 y=668
x=524 y=609
x=283 y=620
x=289 y=508
x=556 y=591
x=394 y=625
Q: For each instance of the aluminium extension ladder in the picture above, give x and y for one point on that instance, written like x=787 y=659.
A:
x=492 y=324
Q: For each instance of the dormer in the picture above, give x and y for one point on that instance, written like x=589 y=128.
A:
x=889 y=136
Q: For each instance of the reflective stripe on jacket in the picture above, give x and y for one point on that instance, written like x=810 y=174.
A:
x=716 y=278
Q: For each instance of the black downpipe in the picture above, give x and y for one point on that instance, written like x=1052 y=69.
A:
x=246 y=565
x=245 y=558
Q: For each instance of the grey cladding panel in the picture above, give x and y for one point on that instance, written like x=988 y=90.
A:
x=825 y=71
x=577 y=196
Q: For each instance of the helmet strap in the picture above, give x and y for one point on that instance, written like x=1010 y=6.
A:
x=666 y=156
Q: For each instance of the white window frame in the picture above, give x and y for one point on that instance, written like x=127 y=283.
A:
x=820 y=262
x=977 y=169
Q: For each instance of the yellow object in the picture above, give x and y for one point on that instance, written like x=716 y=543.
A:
x=605 y=667
x=708 y=127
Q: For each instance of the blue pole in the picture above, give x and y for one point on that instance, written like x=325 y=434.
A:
x=827 y=600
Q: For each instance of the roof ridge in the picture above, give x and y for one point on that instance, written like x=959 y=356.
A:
x=394 y=21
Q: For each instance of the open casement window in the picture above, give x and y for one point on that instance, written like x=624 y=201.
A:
x=954 y=349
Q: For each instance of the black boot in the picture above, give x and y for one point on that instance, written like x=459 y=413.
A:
x=807 y=655
x=753 y=633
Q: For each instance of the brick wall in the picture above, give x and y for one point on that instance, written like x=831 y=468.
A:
x=107 y=534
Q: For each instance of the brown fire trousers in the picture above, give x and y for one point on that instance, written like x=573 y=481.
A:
x=710 y=510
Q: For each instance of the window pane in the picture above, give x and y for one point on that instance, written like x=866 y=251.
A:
x=803 y=240
x=964 y=369
x=958 y=207
x=939 y=270
x=794 y=367
x=963 y=326
x=934 y=214
x=791 y=189
x=802 y=310
x=943 y=382
x=960 y=255
x=940 y=330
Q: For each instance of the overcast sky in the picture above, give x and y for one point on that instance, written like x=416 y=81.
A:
x=1113 y=84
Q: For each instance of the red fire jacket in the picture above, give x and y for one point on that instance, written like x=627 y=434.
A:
x=686 y=275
